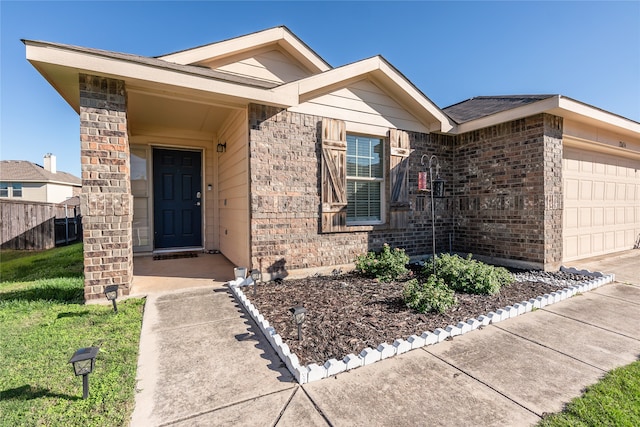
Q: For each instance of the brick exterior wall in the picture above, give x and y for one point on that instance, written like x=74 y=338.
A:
x=285 y=153
x=106 y=201
x=508 y=191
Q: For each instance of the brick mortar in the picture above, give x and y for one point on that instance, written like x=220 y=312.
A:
x=106 y=200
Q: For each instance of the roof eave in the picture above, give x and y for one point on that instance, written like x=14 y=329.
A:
x=560 y=106
x=61 y=66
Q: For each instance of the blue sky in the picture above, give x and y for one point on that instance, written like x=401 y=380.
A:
x=452 y=51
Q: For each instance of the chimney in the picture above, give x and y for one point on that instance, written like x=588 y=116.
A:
x=50 y=162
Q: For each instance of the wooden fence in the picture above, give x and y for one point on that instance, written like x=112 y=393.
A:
x=32 y=225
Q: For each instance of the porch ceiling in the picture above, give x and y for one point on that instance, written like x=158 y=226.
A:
x=156 y=114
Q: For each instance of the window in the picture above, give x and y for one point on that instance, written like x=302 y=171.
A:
x=365 y=179
x=17 y=189
x=4 y=189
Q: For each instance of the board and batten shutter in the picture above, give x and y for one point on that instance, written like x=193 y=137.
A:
x=334 y=175
x=400 y=148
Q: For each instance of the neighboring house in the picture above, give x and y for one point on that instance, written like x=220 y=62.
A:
x=27 y=181
x=256 y=147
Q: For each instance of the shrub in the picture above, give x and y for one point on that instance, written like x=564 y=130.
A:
x=386 y=266
x=469 y=275
x=434 y=295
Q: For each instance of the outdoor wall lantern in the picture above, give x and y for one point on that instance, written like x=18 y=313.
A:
x=111 y=292
x=256 y=276
x=299 y=314
x=83 y=361
x=221 y=148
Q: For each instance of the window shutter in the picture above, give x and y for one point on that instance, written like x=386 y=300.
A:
x=334 y=175
x=400 y=148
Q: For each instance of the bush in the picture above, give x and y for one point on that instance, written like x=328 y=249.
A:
x=469 y=275
x=386 y=266
x=434 y=295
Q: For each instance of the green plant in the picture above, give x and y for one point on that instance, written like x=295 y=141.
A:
x=386 y=266
x=613 y=401
x=469 y=275
x=432 y=296
x=42 y=322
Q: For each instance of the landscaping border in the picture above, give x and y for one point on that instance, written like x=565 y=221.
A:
x=315 y=372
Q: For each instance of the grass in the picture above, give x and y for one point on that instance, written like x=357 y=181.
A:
x=613 y=401
x=43 y=320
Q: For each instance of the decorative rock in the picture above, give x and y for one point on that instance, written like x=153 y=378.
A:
x=264 y=324
x=316 y=372
x=369 y=356
x=401 y=346
x=535 y=302
x=283 y=351
x=334 y=367
x=520 y=309
x=386 y=350
x=276 y=339
x=416 y=341
x=352 y=361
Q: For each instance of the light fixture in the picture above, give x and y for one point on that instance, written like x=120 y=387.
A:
x=83 y=361
x=256 y=276
x=221 y=147
x=299 y=315
x=111 y=292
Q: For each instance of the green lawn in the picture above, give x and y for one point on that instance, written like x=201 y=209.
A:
x=613 y=401
x=43 y=320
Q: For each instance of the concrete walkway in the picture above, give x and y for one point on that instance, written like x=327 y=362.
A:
x=203 y=363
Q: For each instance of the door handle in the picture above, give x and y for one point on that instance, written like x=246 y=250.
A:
x=197 y=203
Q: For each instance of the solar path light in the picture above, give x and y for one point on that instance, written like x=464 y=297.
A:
x=83 y=361
x=111 y=292
x=256 y=276
x=299 y=315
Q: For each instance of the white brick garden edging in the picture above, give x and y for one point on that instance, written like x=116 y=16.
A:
x=314 y=372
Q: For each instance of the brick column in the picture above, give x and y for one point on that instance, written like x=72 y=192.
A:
x=106 y=199
x=553 y=194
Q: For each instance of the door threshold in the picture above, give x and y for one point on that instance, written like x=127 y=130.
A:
x=178 y=250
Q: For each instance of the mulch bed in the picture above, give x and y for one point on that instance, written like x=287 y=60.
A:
x=347 y=313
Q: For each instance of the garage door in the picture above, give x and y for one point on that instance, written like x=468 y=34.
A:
x=601 y=203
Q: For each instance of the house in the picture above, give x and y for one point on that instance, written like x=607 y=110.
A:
x=257 y=147
x=27 y=181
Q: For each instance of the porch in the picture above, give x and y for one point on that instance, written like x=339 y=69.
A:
x=179 y=273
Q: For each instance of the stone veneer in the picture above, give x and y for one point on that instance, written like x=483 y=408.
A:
x=285 y=201
x=106 y=200
x=508 y=187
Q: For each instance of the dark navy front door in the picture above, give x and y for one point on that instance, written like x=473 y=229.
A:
x=177 y=198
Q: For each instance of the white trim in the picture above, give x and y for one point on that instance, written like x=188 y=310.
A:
x=380 y=72
x=144 y=75
x=279 y=36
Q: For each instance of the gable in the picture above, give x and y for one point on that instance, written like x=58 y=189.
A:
x=363 y=105
x=269 y=64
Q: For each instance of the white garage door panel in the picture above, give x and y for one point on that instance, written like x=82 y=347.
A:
x=601 y=203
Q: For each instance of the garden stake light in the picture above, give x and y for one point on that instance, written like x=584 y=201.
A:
x=299 y=314
x=83 y=361
x=111 y=292
x=256 y=276
x=437 y=190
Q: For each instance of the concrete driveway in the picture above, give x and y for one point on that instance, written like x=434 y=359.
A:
x=204 y=362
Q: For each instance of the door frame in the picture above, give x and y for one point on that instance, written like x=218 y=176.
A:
x=203 y=234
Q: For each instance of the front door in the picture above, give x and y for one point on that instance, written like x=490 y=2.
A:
x=177 y=198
